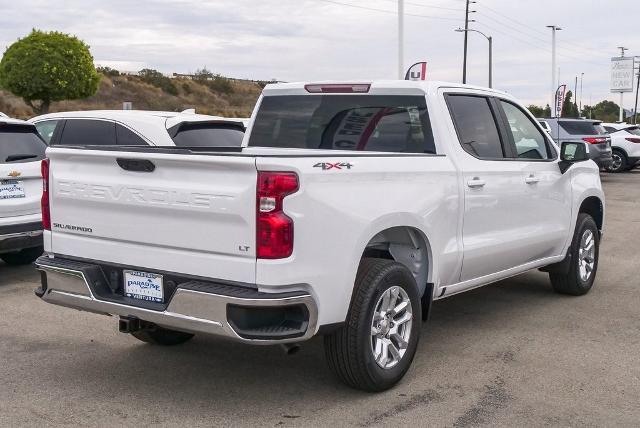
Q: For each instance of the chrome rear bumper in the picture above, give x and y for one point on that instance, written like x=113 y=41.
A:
x=188 y=309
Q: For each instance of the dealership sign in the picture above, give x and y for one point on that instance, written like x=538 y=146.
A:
x=560 y=94
x=417 y=71
x=622 y=74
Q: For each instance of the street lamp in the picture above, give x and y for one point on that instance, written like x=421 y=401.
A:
x=490 y=39
x=554 y=28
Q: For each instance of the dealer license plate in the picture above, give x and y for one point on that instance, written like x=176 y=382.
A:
x=11 y=189
x=143 y=286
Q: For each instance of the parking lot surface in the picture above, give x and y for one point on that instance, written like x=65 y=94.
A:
x=509 y=354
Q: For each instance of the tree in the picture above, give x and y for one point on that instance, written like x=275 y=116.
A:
x=159 y=80
x=547 y=111
x=607 y=111
x=569 y=108
x=48 y=66
x=536 y=111
x=108 y=71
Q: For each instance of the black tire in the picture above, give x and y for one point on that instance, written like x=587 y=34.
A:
x=162 y=336
x=349 y=350
x=572 y=283
x=620 y=162
x=22 y=257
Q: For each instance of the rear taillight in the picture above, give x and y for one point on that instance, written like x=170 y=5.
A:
x=274 y=229
x=595 y=140
x=633 y=140
x=44 y=201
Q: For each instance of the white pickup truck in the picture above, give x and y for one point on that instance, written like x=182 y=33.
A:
x=348 y=209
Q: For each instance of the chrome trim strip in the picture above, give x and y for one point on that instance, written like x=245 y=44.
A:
x=30 y=234
x=189 y=310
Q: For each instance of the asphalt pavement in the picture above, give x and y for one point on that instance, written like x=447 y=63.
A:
x=509 y=354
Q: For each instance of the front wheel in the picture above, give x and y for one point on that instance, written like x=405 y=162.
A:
x=376 y=346
x=583 y=265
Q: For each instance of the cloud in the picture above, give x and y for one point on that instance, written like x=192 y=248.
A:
x=319 y=39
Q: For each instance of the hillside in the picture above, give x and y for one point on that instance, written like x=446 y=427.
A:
x=218 y=96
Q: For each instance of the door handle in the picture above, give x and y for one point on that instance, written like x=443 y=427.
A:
x=532 y=179
x=137 y=165
x=475 y=182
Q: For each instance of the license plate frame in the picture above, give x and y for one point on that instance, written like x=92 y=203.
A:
x=12 y=189
x=144 y=286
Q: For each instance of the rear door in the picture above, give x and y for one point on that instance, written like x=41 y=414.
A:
x=156 y=210
x=21 y=150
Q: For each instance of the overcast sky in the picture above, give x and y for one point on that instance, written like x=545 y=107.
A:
x=295 y=40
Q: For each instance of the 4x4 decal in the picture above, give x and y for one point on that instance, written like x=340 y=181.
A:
x=337 y=165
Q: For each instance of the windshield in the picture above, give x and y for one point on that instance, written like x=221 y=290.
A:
x=20 y=144
x=381 y=123
x=582 y=127
x=209 y=135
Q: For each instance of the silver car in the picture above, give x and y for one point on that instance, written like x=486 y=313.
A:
x=591 y=131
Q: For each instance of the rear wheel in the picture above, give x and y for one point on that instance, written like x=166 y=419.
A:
x=376 y=346
x=22 y=257
x=162 y=336
x=619 y=163
x=584 y=259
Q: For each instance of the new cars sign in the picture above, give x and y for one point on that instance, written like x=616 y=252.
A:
x=621 y=74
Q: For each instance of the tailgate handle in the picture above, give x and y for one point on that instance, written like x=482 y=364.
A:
x=137 y=165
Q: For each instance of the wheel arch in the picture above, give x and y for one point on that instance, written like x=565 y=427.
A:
x=593 y=206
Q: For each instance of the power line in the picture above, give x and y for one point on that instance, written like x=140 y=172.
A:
x=428 y=6
x=444 y=18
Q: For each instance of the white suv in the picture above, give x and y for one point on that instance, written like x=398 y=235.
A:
x=21 y=151
x=625 y=144
x=138 y=128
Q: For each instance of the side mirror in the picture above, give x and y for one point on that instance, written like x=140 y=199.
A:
x=572 y=152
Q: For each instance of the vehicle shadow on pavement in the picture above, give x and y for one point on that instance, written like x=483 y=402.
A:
x=208 y=370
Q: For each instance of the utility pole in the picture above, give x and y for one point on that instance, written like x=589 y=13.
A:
x=621 y=116
x=400 y=39
x=554 y=28
x=466 y=34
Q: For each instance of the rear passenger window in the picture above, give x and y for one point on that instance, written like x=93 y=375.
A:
x=527 y=138
x=79 y=132
x=476 y=126
x=127 y=137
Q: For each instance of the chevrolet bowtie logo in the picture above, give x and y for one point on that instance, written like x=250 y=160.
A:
x=14 y=174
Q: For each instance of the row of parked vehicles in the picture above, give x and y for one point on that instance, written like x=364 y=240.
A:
x=343 y=210
x=614 y=147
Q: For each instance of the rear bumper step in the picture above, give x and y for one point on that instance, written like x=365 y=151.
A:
x=239 y=313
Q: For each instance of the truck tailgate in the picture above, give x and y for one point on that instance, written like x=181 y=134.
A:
x=192 y=214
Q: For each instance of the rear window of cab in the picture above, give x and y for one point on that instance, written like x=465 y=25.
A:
x=378 y=123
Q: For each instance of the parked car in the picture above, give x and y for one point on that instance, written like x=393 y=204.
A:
x=21 y=151
x=591 y=131
x=544 y=125
x=138 y=128
x=348 y=210
x=625 y=144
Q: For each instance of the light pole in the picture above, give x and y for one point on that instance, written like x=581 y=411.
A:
x=490 y=39
x=581 y=78
x=635 y=106
x=554 y=28
x=400 y=39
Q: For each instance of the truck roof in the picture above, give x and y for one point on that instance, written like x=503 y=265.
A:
x=376 y=86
